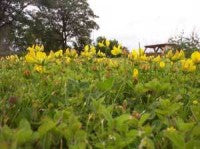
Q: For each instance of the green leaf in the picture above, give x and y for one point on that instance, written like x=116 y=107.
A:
x=143 y=119
x=121 y=124
x=6 y=133
x=24 y=134
x=46 y=126
x=184 y=126
x=196 y=131
x=140 y=89
x=146 y=143
x=193 y=144
x=196 y=112
x=176 y=138
x=167 y=108
x=105 y=85
x=132 y=134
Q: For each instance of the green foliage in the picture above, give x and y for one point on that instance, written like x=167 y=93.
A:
x=75 y=106
x=55 y=24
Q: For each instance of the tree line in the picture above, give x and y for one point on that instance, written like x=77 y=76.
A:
x=57 y=24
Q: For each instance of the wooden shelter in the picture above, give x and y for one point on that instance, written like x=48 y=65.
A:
x=158 y=49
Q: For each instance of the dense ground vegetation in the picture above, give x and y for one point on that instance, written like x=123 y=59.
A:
x=62 y=100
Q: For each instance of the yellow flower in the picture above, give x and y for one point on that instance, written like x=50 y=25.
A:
x=39 y=68
x=12 y=58
x=86 y=48
x=59 y=53
x=100 y=44
x=89 y=52
x=157 y=59
x=41 y=56
x=113 y=64
x=74 y=54
x=101 y=54
x=100 y=60
x=51 y=56
x=195 y=102
x=116 y=50
x=169 y=54
x=36 y=48
x=171 y=129
x=68 y=60
x=93 y=50
x=39 y=48
x=143 y=58
x=107 y=43
x=196 y=57
x=71 y=53
x=162 y=64
x=188 y=65
x=133 y=55
x=178 y=55
x=31 y=57
x=135 y=73
x=138 y=55
x=67 y=52
x=31 y=49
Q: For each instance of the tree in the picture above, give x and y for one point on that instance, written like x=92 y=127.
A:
x=12 y=17
x=64 y=23
x=55 y=23
x=11 y=11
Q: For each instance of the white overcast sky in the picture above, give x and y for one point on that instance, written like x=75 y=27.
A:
x=145 y=21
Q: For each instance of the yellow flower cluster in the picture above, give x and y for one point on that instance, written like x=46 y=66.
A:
x=39 y=68
x=138 y=55
x=157 y=59
x=89 y=52
x=112 y=63
x=58 y=54
x=100 y=60
x=195 y=102
x=171 y=129
x=13 y=58
x=116 y=50
x=39 y=58
x=71 y=53
x=105 y=43
x=133 y=55
x=36 y=54
x=101 y=54
x=169 y=54
x=179 y=55
x=188 y=65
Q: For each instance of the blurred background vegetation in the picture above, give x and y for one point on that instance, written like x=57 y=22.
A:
x=57 y=24
x=189 y=43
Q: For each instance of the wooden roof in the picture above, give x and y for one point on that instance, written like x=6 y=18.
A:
x=159 y=45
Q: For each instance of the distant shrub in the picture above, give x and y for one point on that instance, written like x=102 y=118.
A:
x=189 y=43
